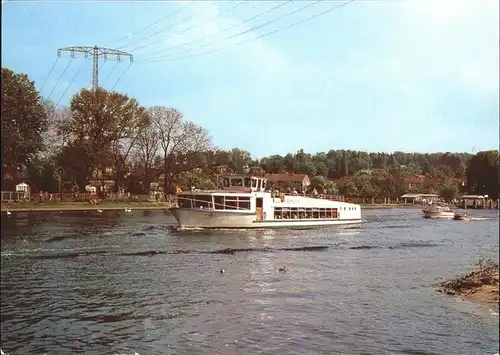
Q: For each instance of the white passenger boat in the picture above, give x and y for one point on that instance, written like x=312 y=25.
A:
x=243 y=202
x=438 y=211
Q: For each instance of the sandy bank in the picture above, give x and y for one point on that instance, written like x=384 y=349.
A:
x=480 y=286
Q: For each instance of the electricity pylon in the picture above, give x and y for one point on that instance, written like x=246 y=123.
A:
x=96 y=52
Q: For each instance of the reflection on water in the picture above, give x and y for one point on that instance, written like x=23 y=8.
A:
x=116 y=282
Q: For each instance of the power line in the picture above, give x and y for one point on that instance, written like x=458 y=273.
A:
x=111 y=72
x=252 y=39
x=259 y=26
x=48 y=75
x=57 y=82
x=169 y=27
x=148 y=55
x=70 y=83
x=154 y=23
x=121 y=76
x=190 y=27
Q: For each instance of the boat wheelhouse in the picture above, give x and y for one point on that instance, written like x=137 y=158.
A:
x=242 y=201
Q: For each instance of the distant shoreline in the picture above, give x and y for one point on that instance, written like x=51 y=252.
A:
x=116 y=206
x=82 y=206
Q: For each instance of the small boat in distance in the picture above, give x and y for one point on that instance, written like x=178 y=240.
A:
x=438 y=211
x=461 y=217
x=242 y=202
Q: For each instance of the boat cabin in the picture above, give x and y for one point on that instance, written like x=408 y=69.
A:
x=241 y=183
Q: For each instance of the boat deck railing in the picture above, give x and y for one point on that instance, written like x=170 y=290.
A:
x=191 y=201
x=235 y=202
x=338 y=198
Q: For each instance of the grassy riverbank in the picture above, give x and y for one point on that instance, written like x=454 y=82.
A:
x=480 y=286
x=81 y=206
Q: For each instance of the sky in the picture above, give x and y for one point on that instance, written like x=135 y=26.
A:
x=378 y=76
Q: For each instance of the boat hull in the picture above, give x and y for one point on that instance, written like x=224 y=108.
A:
x=439 y=215
x=188 y=218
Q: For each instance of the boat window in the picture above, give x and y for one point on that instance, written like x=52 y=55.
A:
x=243 y=203
x=225 y=182
x=258 y=183
x=263 y=184
x=254 y=182
x=236 y=182
x=248 y=182
x=184 y=202
x=219 y=202
x=202 y=201
x=231 y=203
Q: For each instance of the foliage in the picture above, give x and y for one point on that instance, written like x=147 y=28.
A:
x=180 y=142
x=321 y=183
x=104 y=126
x=23 y=121
x=109 y=136
x=483 y=173
x=200 y=181
x=448 y=192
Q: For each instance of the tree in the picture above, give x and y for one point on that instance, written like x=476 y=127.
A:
x=146 y=152
x=448 y=192
x=444 y=171
x=273 y=164
x=106 y=124
x=201 y=181
x=239 y=159
x=52 y=139
x=23 y=121
x=75 y=164
x=42 y=173
x=322 y=183
x=180 y=142
x=483 y=173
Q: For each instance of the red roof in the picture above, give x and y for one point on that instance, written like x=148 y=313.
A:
x=416 y=178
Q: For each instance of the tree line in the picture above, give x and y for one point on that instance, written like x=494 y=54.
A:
x=107 y=136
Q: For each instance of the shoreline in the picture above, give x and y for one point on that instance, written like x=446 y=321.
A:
x=479 y=286
x=83 y=206
x=116 y=206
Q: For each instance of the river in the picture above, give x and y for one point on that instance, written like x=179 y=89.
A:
x=126 y=283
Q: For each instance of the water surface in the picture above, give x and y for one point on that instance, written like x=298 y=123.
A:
x=125 y=283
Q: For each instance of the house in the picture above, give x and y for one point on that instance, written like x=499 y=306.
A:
x=420 y=198
x=474 y=201
x=298 y=180
x=416 y=181
x=23 y=190
x=257 y=171
x=220 y=169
